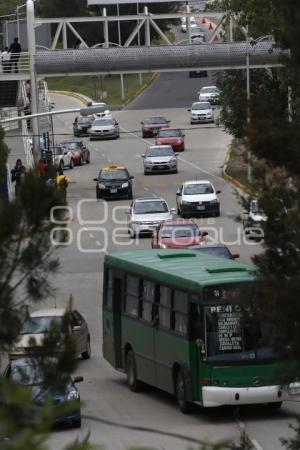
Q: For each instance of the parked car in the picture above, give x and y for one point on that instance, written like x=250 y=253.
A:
x=114 y=181
x=26 y=372
x=216 y=250
x=159 y=158
x=152 y=125
x=81 y=125
x=201 y=112
x=171 y=136
x=197 y=197
x=193 y=24
x=145 y=214
x=39 y=324
x=209 y=94
x=62 y=158
x=179 y=233
x=252 y=220
x=80 y=153
x=104 y=128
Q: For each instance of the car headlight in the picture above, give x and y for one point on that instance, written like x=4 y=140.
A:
x=184 y=202
x=215 y=200
x=79 y=127
x=208 y=114
x=173 y=160
x=179 y=141
x=73 y=395
x=148 y=161
x=101 y=186
x=125 y=185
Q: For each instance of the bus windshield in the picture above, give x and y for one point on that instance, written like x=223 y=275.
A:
x=230 y=338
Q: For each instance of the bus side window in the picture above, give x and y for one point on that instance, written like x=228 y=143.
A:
x=132 y=295
x=179 y=313
x=196 y=325
x=148 y=299
x=108 y=289
x=164 y=309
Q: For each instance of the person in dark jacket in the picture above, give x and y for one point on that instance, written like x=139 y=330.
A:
x=15 y=50
x=17 y=175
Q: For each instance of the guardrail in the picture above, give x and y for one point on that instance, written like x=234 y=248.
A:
x=19 y=62
x=27 y=142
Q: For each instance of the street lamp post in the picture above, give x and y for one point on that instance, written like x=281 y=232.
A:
x=249 y=166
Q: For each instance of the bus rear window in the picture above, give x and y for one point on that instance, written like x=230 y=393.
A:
x=229 y=338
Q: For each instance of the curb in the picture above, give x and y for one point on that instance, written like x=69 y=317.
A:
x=82 y=98
x=233 y=180
x=141 y=89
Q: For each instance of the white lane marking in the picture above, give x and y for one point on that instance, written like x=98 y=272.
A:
x=256 y=445
x=146 y=189
x=241 y=425
x=91 y=235
x=200 y=168
x=98 y=243
x=135 y=135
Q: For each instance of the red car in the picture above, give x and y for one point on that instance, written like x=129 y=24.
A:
x=178 y=233
x=216 y=250
x=152 y=125
x=80 y=153
x=171 y=136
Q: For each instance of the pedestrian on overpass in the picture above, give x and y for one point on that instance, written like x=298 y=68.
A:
x=5 y=60
x=15 y=50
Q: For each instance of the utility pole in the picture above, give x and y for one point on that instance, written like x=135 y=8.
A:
x=34 y=96
x=249 y=156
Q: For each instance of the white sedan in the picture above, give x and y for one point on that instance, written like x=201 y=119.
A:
x=201 y=112
x=104 y=128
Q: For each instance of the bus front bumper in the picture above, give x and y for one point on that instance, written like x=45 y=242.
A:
x=217 y=396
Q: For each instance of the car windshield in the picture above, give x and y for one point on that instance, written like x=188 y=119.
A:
x=195 y=189
x=155 y=120
x=201 y=105
x=169 y=133
x=159 y=152
x=209 y=90
x=103 y=122
x=36 y=325
x=113 y=175
x=26 y=374
x=216 y=251
x=73 y=145
x=229 y=337
x=178 y=231
x=150 y=207
x=85 y=120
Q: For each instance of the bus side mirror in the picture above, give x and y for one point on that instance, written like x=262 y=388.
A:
x=200 y=343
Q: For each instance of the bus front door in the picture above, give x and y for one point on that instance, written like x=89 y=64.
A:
x=112 y=332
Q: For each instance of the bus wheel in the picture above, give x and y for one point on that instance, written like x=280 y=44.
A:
x=181 y=393
x=134 y=383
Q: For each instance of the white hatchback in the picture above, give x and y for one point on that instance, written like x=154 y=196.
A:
x=201 y=112
x=197 y=197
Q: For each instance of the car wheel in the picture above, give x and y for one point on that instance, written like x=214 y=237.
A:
x=133 y=382
x=71 y=165
x=130 y=196
x=81 y=161
x=87 y=353
x=217 y=214
x=88 y=159
x=175 y=171
x=98 y=194
x=181 y=393
x=76 y=423
x=178 y=212
x=61 y=168
x=144 y=135
x=145 y=172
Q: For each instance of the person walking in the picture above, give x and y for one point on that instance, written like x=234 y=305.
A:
x=17 y=175
x=5 y=60
x=43 y=168
x=15 y=50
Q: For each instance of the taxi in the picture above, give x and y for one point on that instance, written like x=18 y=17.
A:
x=114 y=181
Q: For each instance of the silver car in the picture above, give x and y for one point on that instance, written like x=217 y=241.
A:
x=145 y=214
x=160 y=158
x=40 y=323
x=104 y=128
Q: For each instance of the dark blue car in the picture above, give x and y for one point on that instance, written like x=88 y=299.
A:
x=26 y=372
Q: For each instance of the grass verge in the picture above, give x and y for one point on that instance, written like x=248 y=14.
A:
x=102 y=88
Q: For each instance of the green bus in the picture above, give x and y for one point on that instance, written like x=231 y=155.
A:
x=171 y=319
